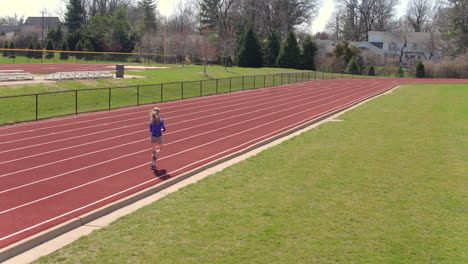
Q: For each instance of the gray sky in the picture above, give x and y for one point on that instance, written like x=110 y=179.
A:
x=34 y=8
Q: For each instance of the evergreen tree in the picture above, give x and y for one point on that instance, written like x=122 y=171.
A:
x=353 y=66
x=420 y=71
x=49 y=46
x=75 y=15
x=30 y=53
x=12 y=53
x=289 y=55
x=250 y=54
x=56 y=35
x=148 y=18
x=399 y=72
x=38 y=54
x=5 y=46
x=88 y=47
x=309 y=49
x=73 y=39
x=121 y=32
x=79 y=47
x=64 y=55
x=371 y=70
x=272 y=49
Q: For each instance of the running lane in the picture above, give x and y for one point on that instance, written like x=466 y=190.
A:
x=54 y=170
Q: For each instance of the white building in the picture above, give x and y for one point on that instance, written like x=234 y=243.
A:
x=390 y=46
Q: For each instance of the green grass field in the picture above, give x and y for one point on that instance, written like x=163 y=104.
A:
x=73 y=99
x=386 y=185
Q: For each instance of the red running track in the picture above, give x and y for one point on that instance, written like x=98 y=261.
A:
x=55 y=170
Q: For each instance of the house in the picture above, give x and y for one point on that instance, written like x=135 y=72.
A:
x=42 y=22
x=8 y=29
x=389 y=45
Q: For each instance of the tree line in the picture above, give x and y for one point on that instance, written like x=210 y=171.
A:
x=446 y=19
x=226 y=31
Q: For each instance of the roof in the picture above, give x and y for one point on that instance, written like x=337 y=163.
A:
x=398 y=37
x=39 y=21
x=8 y=29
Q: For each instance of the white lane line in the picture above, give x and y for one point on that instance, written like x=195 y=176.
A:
x=204 y=124
x=139 y=131
x=310 y=119
x=168 y=105
x=249 y=103
x=208 y=107
x=176 y=141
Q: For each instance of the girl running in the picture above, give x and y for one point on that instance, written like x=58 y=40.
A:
x=156 y=128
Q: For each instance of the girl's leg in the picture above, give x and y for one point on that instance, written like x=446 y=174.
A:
x=154 y=156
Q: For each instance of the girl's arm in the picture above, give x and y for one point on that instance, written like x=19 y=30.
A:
x=163 y=127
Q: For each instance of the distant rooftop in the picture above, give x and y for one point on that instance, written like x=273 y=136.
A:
x=49 y=22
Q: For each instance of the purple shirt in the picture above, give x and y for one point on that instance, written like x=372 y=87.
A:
x=157 y=129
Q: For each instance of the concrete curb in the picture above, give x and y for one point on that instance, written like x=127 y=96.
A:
x=44 y=236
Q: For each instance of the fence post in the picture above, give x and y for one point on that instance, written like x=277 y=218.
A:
x=201 y=89
x=230 y=84
x=110 y=98
x=216 y=86
x=138 y=95
x=162 y=92
x=182 y=89
x=76 y=102
x=264 y=81
x=37 y=107
x=242 y=83
x=254 y=81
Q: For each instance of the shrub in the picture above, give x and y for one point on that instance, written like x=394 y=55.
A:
x=12 y=52
x=50 y=46
x=79 y=47
x=353 y=67
x=64 y=55
x=38 y=54
x=448 y=68
x=88 y=47
x=30 y=53
x=420 y=72
x=399 y=73
x=5 y=46
x=371 y=70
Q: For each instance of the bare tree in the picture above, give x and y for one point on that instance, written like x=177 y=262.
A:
x=398 y=45
x=12 y=20
x=358 y=17
x=420 y=14
x=183 y=18
x=206 y=50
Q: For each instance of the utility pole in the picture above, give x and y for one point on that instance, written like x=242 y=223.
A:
x=42 y=36
x=164 y=41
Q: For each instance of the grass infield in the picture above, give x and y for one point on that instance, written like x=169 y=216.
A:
x=386 y=185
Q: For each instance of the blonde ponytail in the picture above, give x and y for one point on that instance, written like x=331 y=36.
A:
x=155 y=115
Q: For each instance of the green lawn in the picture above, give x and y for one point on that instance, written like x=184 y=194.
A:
x=156 y=86
x=386 y=185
